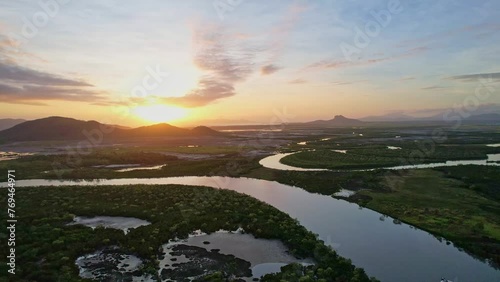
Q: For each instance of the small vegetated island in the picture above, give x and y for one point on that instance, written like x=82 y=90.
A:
x=368 y=156
x=49 y=245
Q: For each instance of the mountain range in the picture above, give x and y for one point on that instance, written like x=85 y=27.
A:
x=342 y=121
x=399 y=117
x=61 y=128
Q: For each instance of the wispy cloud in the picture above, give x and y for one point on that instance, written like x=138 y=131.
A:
x=337 y=64
x=406 y=78
x=348 y=82
x=38 y=95
x=297 y=81
x=208 y=90
x=23 y=85
x=224 y=65
x=269 y=69
x=18 y=74
x=227 y=60
x=495 y=76
x=432 y=87
x=446 y=35
x=11 y=52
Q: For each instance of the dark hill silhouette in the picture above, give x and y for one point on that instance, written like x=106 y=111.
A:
x=6 y=123
x=51 y=128
x=337 y=121
x=61 y=128
x=156 y=130
x=205 y=130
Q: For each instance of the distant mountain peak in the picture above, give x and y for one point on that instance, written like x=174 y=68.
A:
x=205 y=130
x=340 y=117
x=337 y=121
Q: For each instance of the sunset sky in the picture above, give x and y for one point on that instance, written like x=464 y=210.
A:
x=230 y=61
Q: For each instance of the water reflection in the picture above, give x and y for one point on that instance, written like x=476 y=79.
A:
x=274 y=162
x=390 y=252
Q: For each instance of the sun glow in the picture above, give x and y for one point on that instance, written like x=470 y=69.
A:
x=159 y=113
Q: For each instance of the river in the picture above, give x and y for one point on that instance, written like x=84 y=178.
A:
x=388 y=251
x=274 y=162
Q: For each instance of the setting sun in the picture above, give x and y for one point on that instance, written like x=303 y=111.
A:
x=159 y=113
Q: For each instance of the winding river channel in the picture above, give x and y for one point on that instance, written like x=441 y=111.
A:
x=388 y=251
x=274 y=162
